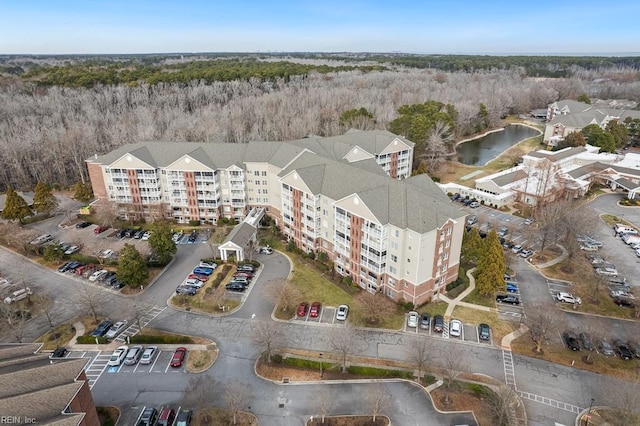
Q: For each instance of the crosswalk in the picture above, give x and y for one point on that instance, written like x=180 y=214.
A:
x=96 y=367
x=144 y=320
x=509 y=371
x=551 y=402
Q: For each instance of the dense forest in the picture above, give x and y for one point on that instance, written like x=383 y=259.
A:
x=48 y=130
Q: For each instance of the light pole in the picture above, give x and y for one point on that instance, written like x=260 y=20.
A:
x=321 y=372
x=588 y=416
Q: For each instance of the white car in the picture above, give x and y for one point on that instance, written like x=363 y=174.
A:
x=118 y=356
x=149 y=355
x=116 y=329
x=412 y=319
x=568 y=298
x=455 y=328
x=146 y=236
x=607 y=271
x=342 y=312
x=192 y=282
x=72 y=249
x=266 y=250
x=517 y=248
x=621 y=293
x=204 y=264
x=105 y=254
x=98 y=274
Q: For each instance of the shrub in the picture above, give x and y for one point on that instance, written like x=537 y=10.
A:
x=307 y=363
x=291 y=245
x=89 y=340
x=276 y=358
x=170 y=339
x=311 y=255
x=84 y=258
x=379 y=372
x=194 y=223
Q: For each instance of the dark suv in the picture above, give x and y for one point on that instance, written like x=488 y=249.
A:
x=571 y=340
x=149 y=417
x=507 y=298
x=438 y=323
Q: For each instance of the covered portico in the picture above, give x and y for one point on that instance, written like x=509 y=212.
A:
x=242 y=237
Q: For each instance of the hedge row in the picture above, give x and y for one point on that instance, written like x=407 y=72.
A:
x=309 y=364
x=379 y=372
x=89 y=340
x=171 y=339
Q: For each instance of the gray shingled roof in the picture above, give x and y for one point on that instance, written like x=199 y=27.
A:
x=627 y=184
x=241 y=234
x=587 y=169
x=574 y=106
x=510 y=177
x=559 y=155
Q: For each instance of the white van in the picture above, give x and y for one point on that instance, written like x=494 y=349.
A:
x=620 y=228
x=17 y=295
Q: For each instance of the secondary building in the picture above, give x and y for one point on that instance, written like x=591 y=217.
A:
x=350 y=197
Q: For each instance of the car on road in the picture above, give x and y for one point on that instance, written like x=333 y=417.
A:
x=455 y=328
x=586 y=341
x=303 y=307
x=511 y=288
x=314 y=311
x=235 y=286
x=484 y=332
x=571 y=340
x=605 y=348
x=149 y=417
x=178 y=356
x=82 y=225
x=526 y=253
x=342 y=312
x=184 y=418
x=102 y=328
x=116 y=329
x=149 y=355
x=118 y=356
x=622 y=350
x=266 y=250
x=412 y=319
x=425 y=321
x=507 y=298
x=133 y=355
x=565 y=297
x=438 y=323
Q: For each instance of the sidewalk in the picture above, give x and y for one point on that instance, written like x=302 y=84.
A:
x=506 y=340
x=458 y=300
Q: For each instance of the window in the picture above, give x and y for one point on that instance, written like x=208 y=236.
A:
x=264 y=173
x=256 y=173
x=449 y=231
x=392 y=269
x=446 y=255
x=408 y=260
x=409 y=247
x=447 y=243
x=392 y=282
x=396 y=233
x=394 y=245
x=394 y=258
x=264 y=182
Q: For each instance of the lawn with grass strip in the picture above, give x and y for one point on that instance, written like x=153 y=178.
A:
x=479 y=299
x=499 y=328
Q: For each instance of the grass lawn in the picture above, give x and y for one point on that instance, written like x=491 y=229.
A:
x=199 y=361
x=611 y=220
x=435 y=308
x=478 y=299
x=499 y=328
x=558 y=354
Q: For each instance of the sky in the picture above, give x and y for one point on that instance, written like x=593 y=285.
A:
x=418 y=26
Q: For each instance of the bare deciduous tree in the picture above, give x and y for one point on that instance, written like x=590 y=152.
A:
x=282 y=293
x=376 y=306
x=452 y=362
x=324 y=402
x=625 y=399
x=503 y=403
x=378 y=399
x=268 y=336
x=91 y=298
x=419 y=355
x=235 y=397
x=341 y=341
x=543 y=321
x=198 y=394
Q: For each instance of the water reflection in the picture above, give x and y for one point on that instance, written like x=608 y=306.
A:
x=482 y=150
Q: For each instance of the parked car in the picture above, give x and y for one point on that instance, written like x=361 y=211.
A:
x=635 y=347
x=166 y=417
x=138 y=235
x=98 y=274
x=177 y=237
x=71 y=250
x=571 y=340
x=607 y=271
x=605 y=348
x=624 y=302
x=303 y=307
x=116 y=329
x=565 y=297
x=526 y=253
x=425 y=321
x=59 y=353
x=121 y=233
x=106 y=253
x=193 y=237
x=511 y=288
x=178 y=357
x=117 y=284
x=205 y=264
x=412 y=319
x=102 y=328
x=146 y=235
x=64 y=267
x=474 y=204
x=471 y=220
x=184 y=418
x=235 y=286
x=455 y=328
x=504 y=298
x=81 y=225
x=193 y=283
x=586 y=341
x=148 y=417
x=133 y=355
x=149 y=355
x=314 y=311
x=247 y=267
x=203 y=271
x=187 y=290
x=108 y=276
x=200 y=277
x=517 y=248
x=503 y=231
x=484 y=332
x=118 y=356
x=100 y=229
x=622 y=350
x=342 y=312
x=528 y=221
x=438 y=323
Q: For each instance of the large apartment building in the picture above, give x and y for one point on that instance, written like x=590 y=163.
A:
x=350 y=196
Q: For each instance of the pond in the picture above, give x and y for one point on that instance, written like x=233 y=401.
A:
x=478 y=152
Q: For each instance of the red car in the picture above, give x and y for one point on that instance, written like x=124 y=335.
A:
x=198 y=277
x=101 y=229
x=178 y=357
x=302 y=309
x=315 y=310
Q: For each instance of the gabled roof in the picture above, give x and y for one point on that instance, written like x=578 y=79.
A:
x=572 y=106
x=508 y=178
x=240 y=234
x=558 y=155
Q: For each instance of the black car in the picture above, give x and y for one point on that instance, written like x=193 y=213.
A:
x=83 y=225
x=117 y=284
x=624 y=302
x=107 y=277
x=571 y=340
x=235 y=286
x=58 y=353
x=623 y=350
x=121 y=233
x=74 y=265
x=425 y=321
x=184 y=418
x=438 y=323
x=101 y=329
x=484 y=332
x=193 y=237
x=635 y=347
x=507 y=298
x=149 y=417
x=186 y=289
x=586 y=341
x=64 y=268
x=129 y=233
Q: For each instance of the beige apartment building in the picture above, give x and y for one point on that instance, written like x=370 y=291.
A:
x=349 y=196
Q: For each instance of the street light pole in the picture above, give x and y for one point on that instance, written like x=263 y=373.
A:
x=588 y=416
x=321 y=372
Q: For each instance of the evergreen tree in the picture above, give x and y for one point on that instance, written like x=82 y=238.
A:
x=491 y=266
x=619 y=132
x=161 y=244
x=52 y=252
x=83 y=192
x=132 y=269
x=360 y=119
x=43 y=200
x=584 y=98
x=15 y=207
x=471 y=245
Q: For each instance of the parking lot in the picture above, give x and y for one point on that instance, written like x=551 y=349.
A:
x=469 y=332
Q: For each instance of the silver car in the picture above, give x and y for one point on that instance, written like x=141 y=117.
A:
x=149 y=355
x=133 y=355
x=116 y=329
